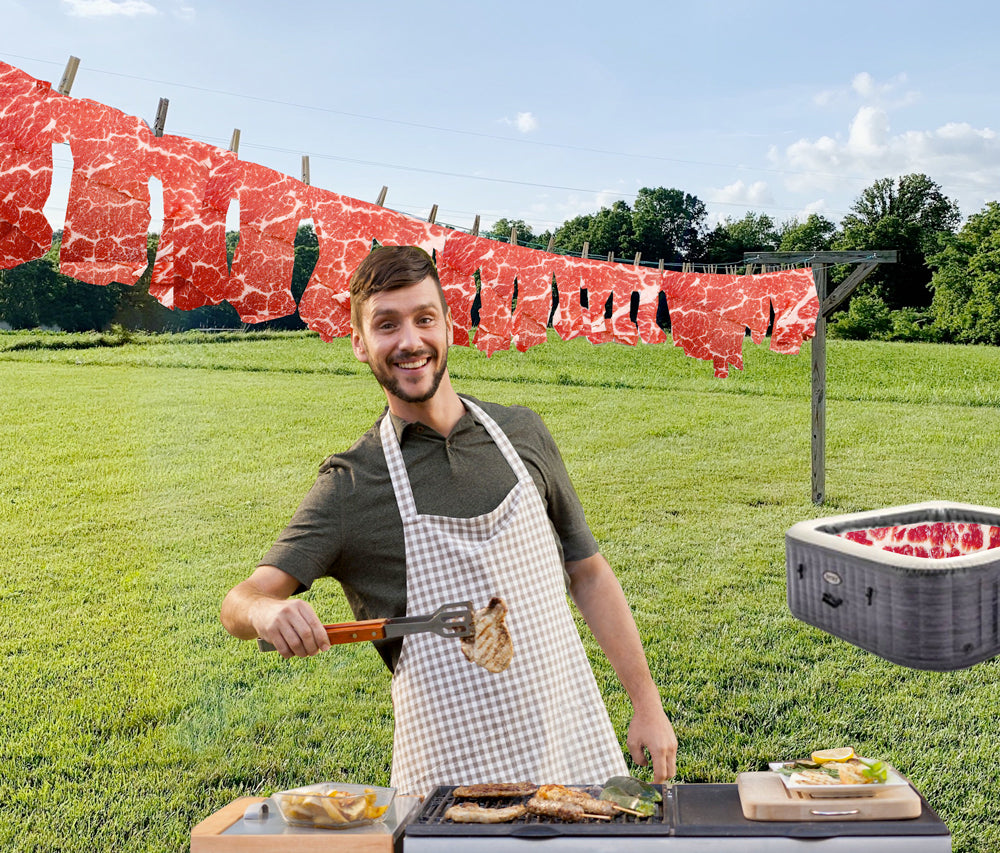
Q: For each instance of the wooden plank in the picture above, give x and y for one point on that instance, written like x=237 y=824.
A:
x=879 y=256
x=819 y=393
x=846 y=288
x=763 y=796
x=210 y=836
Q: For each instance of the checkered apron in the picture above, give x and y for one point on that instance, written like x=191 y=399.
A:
x=542 y=719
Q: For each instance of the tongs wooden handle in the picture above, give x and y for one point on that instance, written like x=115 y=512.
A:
x=449 y=620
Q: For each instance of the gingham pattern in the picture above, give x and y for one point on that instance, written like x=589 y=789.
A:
x=541 y=719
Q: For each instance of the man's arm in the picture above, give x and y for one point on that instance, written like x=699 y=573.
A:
x=261 y=607
x=599 y=596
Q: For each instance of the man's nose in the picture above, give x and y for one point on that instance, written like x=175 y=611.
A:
x=409 y=335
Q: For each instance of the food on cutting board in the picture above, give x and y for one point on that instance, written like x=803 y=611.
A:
x=474 y=813
x=490 y=645
x=330 y=808
x=839 y=766
x=495 y=789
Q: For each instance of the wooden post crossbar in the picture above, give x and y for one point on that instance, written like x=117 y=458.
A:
x=828 y=303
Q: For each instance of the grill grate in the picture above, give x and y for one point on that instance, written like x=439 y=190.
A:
x=430 y=821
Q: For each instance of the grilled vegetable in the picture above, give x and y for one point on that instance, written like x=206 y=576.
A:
x=631 y=793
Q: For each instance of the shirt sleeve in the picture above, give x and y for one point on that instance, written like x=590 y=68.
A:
x=561 y=500
x=310 y=543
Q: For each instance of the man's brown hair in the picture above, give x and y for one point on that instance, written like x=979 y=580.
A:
x=386 y=268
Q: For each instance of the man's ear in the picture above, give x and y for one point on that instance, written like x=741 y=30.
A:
x=451 y=326
x=358 y=345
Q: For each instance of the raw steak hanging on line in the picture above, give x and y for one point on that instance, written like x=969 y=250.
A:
x=650 y=286
x=793 y=295
x=107 y=216
x=698 y=327
x=27 y=134
x=346 y=228
x=183 y=167
x=271 y=206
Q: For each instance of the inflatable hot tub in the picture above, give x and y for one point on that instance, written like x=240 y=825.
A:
x=918 y=585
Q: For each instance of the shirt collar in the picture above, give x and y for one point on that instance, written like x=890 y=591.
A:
x=404 y=428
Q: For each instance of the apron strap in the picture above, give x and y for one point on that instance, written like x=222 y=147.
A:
x=397 y=468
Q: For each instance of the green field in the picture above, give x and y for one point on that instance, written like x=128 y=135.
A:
x=140 y=481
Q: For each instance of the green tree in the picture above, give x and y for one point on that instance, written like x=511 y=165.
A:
x=669 y=224
x=911 y=215
x=573 y=233
x=816 y=234
x=755 y=232
x=501 y=230
x=966 y=281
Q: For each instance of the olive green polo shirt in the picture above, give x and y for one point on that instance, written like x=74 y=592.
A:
x=348 y=526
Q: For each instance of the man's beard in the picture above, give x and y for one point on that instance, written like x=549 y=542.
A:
x=392 y=385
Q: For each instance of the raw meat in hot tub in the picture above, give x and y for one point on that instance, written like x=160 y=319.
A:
x=107 y=215
x=26 y=138
x=184 y=167
x=271 y=206
x=935 y=540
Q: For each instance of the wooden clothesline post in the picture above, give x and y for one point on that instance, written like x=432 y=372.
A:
x=828 y=303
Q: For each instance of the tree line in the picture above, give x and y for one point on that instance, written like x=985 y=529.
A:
x=944 y=287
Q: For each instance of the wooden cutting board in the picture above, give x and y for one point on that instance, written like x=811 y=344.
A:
x=763 y=796
x=226 y=831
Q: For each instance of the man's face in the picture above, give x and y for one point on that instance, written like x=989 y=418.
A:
x=404 y=339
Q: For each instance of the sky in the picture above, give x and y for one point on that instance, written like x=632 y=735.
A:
x=545 y=111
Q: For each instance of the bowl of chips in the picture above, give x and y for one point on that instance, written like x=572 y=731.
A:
x=334 y=805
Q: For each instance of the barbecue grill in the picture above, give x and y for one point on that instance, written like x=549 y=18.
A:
x=706 y=818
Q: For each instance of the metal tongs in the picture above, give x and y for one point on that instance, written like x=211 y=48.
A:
x=449 y=620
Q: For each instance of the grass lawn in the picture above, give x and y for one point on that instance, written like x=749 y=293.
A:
x=140 y=481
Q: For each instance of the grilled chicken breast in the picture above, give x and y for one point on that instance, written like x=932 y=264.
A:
x=490 y=645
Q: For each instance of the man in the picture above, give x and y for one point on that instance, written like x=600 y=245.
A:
x=446 y=498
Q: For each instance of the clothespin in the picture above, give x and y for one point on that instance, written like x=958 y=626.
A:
x=305 y=168
x=380 y=201
x=475 y=227
x=69 y=75
x=513 y=236
x=434 y=213
x=638 y=257
x=234 y=141
x=161 y=117
x=552 y=243
x=749 y=269
x=660 y=265
x=586 y=250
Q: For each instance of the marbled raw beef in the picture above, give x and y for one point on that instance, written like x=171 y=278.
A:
x=935 y=540
x=27 y=134
x=793 y=295
x=698 y=328
x=499 y=265
x=271 y=206
x=346 y=229
x=650 y=287
x=458 y=283
x=183 y=167
x=107 y=215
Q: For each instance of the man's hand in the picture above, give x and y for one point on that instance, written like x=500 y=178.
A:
x=291 y=626
x=260 y=607
x=651 y=732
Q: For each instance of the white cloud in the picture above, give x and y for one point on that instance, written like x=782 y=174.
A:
x=740 y=193
x=106 y=8
x=525 y=122
x=890 y=93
